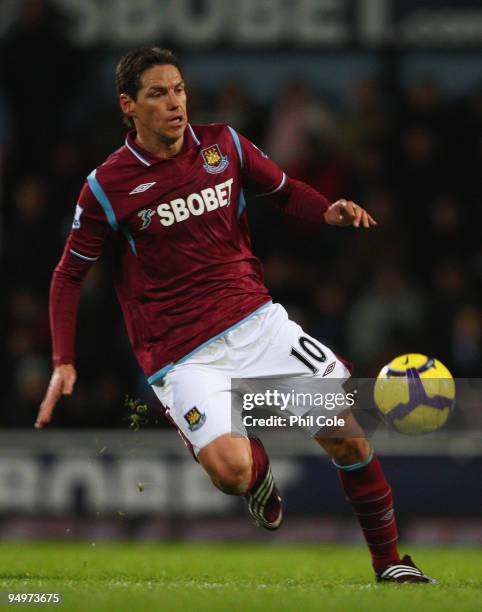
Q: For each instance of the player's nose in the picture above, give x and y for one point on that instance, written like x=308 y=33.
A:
x=173 y=101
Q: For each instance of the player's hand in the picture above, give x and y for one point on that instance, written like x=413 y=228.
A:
x=346 y=212
x=61 y=383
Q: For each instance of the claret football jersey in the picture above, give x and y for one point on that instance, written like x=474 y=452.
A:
x=184 y=270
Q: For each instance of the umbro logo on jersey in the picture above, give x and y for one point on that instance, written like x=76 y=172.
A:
x=141 y=188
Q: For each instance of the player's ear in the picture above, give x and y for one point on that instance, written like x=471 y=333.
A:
x=127 y=105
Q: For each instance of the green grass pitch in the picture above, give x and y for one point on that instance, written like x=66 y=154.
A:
x=245 y=577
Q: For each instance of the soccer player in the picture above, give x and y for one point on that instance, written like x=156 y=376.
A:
x=195 y=306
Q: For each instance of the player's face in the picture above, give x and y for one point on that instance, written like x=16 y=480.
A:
x=160 y=106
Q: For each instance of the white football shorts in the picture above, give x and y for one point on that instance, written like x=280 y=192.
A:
x=197 y=391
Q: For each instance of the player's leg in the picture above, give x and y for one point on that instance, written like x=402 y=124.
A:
x=197 y=395
x=228 y=462
x=370 y=495
x=240 y=466
x=365 y=488
x=293 y=353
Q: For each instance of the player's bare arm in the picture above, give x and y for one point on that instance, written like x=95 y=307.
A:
x=61 y=383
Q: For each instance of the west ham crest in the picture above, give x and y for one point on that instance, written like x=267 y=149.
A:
x=214 y=161
x=194 y=418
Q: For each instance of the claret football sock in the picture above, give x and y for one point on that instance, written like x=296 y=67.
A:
x=262 y=497
x=260 y=461
x=367 y=490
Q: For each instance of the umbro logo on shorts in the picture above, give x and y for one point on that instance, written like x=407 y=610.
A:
x=329 y=368
x=142 y=188
x=194 y=418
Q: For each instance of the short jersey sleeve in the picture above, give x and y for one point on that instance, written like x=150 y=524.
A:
x=260 y=174
x=90 y=227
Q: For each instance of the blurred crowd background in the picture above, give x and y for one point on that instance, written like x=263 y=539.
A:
x=407 y=149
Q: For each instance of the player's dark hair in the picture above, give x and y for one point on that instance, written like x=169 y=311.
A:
x=132 y=65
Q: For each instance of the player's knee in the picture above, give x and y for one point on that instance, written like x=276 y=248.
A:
x=346 y=451
x=228 y=461
x=232 y=474
x=233 y=477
